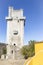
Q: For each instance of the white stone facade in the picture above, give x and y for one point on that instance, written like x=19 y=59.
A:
x=15 y=30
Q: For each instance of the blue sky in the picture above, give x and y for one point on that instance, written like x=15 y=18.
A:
x=33 y=10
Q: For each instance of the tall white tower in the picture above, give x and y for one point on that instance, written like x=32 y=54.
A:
x=15 y=30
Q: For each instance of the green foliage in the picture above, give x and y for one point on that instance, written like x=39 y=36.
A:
x=28 y=50
x=4 y=51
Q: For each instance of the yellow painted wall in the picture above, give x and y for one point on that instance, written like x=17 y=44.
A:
x=38 y=46
x=38 y=58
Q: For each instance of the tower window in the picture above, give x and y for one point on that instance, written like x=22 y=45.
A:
x=15 y=32
x=14 y=44
x=12 y=51
x=18 y=20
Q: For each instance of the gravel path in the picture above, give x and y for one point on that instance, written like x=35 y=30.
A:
x=12 y=62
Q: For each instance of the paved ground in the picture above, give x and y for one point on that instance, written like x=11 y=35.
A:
x=12 y=62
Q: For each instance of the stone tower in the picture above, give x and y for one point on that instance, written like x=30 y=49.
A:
x=15 y=31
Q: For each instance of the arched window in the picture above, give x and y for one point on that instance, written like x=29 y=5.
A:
x=14 y=44
x=15 y=32
x=12 y=51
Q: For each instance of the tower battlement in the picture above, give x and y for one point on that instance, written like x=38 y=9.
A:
x=16 y=14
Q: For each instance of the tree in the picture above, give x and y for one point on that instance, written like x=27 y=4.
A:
x=28 y=50
x=32 y=49
x=4 y=51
